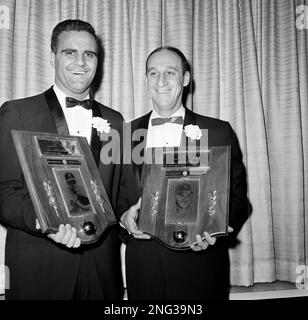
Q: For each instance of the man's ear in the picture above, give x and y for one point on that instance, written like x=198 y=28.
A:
x=52 y=59
x=186 y=78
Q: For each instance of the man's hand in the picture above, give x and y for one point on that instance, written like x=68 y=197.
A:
x=129 y=219
x=66 y=235
x=203 y=243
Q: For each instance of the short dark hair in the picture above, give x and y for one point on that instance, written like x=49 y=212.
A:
x=71 y=25
x=182 y=187
x=184 y=61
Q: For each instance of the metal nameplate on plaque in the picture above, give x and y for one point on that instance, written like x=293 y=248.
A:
x=185 y=194
x=58 y=147
x=64 y=183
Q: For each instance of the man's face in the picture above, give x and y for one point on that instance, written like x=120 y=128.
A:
x=165 y=81
x=183 y=199
x=75 y=62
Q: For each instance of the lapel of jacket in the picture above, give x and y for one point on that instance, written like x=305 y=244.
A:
x=189 y=119
x=139 y=168
x=56 y=112
x=96 y=143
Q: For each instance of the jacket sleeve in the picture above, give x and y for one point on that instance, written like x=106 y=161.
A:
x=16 y=209
x=239 y=204
x=123 y=202
x=112 y=151
x=130 y=189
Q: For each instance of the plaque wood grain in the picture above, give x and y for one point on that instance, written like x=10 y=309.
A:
x=54 y=180
x=209 y=207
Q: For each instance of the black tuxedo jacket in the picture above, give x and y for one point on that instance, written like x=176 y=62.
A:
x=39 y=268
x=213 y=278
x=220 y=133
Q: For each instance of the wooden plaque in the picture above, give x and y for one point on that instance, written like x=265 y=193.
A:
x=185 y=194
x=64 y=183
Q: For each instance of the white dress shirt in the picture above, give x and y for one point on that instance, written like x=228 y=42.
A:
x=79 y=119
x=167 y=134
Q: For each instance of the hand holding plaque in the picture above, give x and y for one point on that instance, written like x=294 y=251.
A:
x=129 y=221
x=64 y=183
x=66 y=235
x=185 y=195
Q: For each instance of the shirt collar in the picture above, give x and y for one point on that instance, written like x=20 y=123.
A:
x=62 y=96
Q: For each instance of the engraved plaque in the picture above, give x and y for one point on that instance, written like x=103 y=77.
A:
x=64 y=183
x=59 y=147
x=185 y=194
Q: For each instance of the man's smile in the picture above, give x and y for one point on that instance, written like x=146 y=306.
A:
x=78 y=73
x=163 y=90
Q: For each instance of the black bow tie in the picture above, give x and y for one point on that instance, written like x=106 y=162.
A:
x=71 y=102
x=158 y=121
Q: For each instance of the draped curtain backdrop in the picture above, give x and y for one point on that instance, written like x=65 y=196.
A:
x=249 y=62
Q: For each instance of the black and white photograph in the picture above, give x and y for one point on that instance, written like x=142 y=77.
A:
x=182 y=201
x=73 y=191
x=129 y=75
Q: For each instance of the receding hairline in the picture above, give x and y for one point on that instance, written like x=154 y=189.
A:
x=184 y=62
x=164 y=50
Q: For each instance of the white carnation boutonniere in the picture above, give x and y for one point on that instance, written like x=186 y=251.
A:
x=193 y=132
x=101 y=125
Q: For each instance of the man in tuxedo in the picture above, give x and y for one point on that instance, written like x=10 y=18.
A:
x=57 y=266
x=154 y=271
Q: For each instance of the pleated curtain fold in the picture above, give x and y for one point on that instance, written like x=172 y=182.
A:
x=249 y=67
